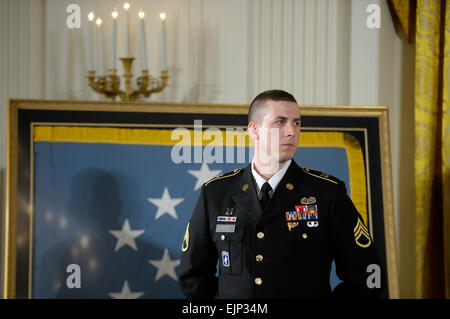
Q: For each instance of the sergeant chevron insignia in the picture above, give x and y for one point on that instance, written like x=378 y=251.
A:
x=360 y=230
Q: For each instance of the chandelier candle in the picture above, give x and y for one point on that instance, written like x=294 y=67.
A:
x=99 y=45
x=126 y=6
x=144 y=64
x=164 y=55
x=115 y=14
x=90 y=40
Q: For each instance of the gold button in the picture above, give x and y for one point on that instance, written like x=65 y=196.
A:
x=305 y=236
x=259 y=257
x=245 y=187
x=258 y=281
x=289 y=186
x=222 y=237
x=260 y=235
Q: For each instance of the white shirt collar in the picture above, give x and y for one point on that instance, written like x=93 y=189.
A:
x=273 y=181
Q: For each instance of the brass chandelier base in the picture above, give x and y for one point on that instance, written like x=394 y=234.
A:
x=109 y=85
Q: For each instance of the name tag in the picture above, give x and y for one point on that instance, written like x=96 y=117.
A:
x=225 y=228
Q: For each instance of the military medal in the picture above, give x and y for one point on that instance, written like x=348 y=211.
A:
x=291 y=216
x=307 y=212
x=226 y=219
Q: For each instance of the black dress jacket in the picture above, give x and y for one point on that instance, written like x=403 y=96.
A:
x=283 y=251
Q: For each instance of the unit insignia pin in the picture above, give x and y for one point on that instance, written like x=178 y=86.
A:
x=229 y=211
x=225 y=259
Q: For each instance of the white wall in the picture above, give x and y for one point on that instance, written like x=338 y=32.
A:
x=227 y=51
x=21 y=72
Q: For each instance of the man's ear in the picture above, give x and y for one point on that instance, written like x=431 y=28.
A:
x=253 y=131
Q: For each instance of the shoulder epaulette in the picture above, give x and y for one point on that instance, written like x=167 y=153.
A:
x=321 y=175
x=226 y=175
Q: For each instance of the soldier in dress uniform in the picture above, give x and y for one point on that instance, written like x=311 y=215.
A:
x=274 y=227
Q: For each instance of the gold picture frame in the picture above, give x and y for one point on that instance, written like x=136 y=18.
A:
x=26 y=114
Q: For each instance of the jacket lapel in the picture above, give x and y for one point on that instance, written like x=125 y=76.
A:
x=247 y=198
x=286 y=195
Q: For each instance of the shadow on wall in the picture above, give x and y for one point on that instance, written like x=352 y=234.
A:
x=97 y=205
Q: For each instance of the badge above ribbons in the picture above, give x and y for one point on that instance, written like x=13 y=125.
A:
x=308 y=200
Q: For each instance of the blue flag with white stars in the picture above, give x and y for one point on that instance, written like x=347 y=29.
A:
x=119 y=213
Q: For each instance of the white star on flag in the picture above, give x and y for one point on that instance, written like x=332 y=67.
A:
x=166 y=266
x=203 y=175
x=126 y=236
x=166 y=204
x=126 y=293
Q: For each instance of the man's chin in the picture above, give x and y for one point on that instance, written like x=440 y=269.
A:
x=284 y=157
x=283 y=160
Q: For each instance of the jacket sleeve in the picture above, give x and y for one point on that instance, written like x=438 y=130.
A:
x=199 y=255
x=356 y=258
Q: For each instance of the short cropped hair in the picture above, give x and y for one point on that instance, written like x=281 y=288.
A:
x=258 y=105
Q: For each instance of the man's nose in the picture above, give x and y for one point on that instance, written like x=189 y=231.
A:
x=290 y=129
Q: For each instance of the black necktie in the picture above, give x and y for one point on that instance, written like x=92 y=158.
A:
x=265 y=197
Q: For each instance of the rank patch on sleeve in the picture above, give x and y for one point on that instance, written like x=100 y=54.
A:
x=362 y=237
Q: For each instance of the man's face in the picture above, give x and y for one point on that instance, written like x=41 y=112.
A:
x=279 y=130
